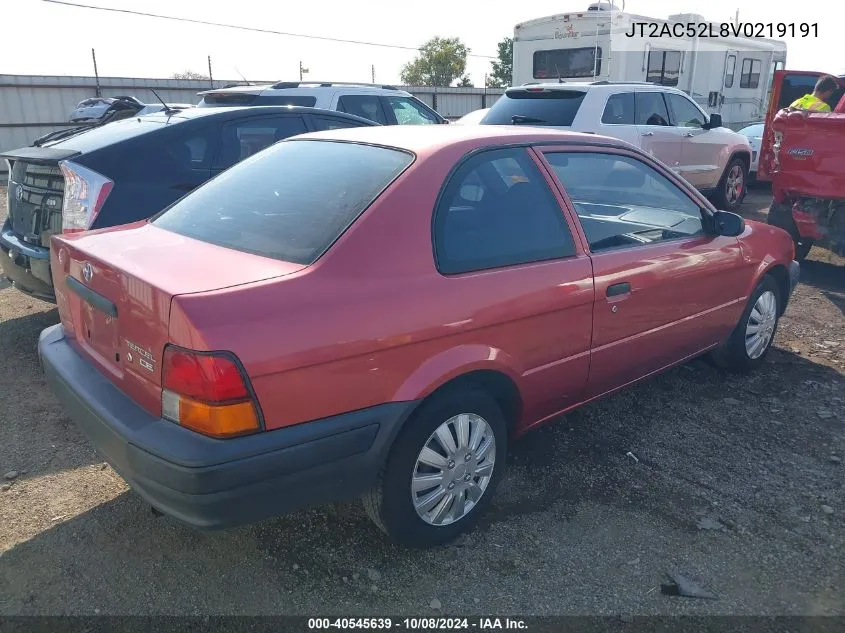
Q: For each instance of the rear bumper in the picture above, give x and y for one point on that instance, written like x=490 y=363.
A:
x=25 y=265
x=212 y=483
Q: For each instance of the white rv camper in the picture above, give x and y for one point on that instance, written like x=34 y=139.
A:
x=729 y=75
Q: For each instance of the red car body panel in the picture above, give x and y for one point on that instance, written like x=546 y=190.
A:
x=373 y=321
x=802 y=154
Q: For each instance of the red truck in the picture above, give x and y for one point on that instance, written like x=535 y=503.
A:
x=803 y=155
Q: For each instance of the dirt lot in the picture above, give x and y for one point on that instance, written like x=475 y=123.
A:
x=737 y=483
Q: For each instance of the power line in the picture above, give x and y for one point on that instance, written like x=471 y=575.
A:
x=247 y=28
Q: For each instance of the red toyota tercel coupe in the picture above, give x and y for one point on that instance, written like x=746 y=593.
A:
x=376 y=312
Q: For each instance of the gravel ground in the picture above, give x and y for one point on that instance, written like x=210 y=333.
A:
x=736 y=482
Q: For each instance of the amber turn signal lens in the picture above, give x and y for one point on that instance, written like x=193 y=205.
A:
x=214 y=420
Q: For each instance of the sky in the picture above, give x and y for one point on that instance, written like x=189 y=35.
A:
x=39 y=38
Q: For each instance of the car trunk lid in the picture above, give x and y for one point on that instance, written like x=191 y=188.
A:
x=114 y=289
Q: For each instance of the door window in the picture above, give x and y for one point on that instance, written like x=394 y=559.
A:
x=408 y=112
x=730 y=71
x=497 y=210
x=365 y=106
x=620 y=109
x=332 y=123
x=623 y=202
x=750 y=77
x=651 y=109
x=242 y=139
x=684 y=112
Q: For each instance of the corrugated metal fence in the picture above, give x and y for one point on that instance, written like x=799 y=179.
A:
x=33 y=105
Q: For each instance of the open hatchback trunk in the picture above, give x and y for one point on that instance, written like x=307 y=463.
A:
x=114 y=289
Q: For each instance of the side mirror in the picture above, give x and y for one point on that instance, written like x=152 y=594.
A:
x=728 y=224
x=714 y=122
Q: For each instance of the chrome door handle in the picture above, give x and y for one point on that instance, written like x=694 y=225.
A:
x=648 y=134
x=689 y=134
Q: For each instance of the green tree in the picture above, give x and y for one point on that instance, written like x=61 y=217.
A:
x=502 y=74
x=189 y=74
x=465 y=82
x=441 y=61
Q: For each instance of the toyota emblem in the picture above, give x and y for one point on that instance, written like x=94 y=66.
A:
x=19 y=193
x=87 y=272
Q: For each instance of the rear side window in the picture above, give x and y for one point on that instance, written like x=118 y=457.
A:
x=289 y=203
x=194 y=150
x=242 y=139
x=497 y=210
x=541 y=107
x=366 y=106
x=620 y=109
x=651 y=109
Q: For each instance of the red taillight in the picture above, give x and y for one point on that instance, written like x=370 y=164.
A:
x=206 y=377
x=85 y=194
x=208 y=393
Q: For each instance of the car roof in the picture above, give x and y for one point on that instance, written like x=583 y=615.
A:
x=234 y=112
x=307 y=86
x=427 y=139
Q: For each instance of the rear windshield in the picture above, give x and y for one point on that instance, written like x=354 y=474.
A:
x=289 y=202
x=110 y=133
x=523 y=107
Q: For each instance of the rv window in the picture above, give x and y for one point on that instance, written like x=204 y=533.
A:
x=750 y=77
x=664 y=67
x=567 y=62
x=651 y=109
x=730 y=70
x=619 y=110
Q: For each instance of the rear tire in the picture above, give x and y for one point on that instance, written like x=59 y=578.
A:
x=457 y=493
x=747 y=346
x=780 y=215
x=732 y=186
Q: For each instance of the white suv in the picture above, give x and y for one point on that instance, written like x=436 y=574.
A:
x=660 y=120
x=383 y=104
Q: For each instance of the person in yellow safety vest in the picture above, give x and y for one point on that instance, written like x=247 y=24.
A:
x=815 y=102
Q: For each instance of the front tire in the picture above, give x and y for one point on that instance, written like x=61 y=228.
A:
x=749 y=343
x=442 y=470
x=731 y=189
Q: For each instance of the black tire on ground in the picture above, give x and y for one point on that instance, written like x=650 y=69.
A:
x=780 y=215
x=724 y=199
x=389 y=504
x=732 y=354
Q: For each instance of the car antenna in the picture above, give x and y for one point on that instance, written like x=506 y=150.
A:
x=167 y=108
x=242 y=77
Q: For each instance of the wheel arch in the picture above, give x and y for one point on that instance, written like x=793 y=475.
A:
x=480 y=366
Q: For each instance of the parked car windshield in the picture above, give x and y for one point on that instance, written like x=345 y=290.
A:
x=527 y=107
x=289 y=202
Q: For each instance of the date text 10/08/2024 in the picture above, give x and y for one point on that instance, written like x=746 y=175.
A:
x=713 y=30
x=418 y=624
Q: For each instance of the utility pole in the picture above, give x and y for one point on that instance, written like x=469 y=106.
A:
x=373 y=72
x=96 y=73
x=210 y=76
x=302 y=71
